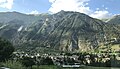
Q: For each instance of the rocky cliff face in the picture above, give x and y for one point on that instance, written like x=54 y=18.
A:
x=65 y=31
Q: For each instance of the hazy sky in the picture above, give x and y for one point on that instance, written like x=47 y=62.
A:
x=94 y=8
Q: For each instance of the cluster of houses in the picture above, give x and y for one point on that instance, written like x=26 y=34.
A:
x=74 y=60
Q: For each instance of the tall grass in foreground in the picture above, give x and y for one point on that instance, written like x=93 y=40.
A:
x=13 y=65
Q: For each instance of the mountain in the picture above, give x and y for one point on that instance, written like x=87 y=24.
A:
x=114 y=20
x=114 y=26
x=75 y=31
x=63 y=31
x=26 y=18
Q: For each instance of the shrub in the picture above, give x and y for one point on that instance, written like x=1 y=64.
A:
x=28 y=61
x=13 y=65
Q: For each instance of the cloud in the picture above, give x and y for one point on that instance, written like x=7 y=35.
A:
x=6 y=4
x=78 y=6
x=101 y=14
x=34 y=12
x=2 y=1
x=69 y=5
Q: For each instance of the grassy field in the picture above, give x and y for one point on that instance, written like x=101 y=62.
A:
x=84 y=67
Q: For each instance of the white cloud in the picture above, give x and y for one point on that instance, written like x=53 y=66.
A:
x=106 y=8
x=78 y=6
x=97 y=8
x=2 y=1
x=101 y=14
x=69 y=5
x=6 y=4
x=34 y=12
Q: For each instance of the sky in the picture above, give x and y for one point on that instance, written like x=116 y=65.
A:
x=94 y=8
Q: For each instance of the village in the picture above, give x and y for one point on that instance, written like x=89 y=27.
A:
x=68 y=59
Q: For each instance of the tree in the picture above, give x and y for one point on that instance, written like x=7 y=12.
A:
x=28 y=61
x=6 y=49
x=46 y=61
